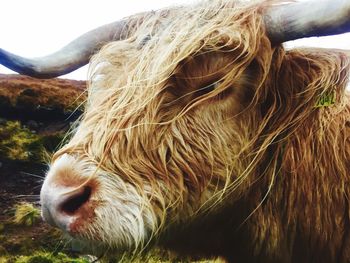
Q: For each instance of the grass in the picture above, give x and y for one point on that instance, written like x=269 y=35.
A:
x=19 y=143
x=43 y=257
x=23 y=239
x=25 y=92
x=26 y=214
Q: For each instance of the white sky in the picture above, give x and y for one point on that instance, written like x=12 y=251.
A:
x=35 y=28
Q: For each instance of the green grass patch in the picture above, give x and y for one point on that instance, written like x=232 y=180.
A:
x=26 y=214
x=19 y=143
x=43 y=257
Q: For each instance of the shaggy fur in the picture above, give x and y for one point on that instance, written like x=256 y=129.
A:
x=215 y=141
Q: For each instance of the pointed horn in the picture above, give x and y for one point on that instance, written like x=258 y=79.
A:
x=71 y=57
x=295 y=20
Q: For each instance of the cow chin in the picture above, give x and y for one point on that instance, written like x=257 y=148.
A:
x=91 y=205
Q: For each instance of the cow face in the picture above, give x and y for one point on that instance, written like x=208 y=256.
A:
x=164 y=128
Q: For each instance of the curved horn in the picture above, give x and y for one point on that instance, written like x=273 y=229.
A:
x=307 y=19
x=71 y=57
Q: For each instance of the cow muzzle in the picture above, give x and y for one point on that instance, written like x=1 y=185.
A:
x=63 y=207
x=66 y=196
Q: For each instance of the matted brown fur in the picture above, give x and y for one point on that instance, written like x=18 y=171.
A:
x=251 y=168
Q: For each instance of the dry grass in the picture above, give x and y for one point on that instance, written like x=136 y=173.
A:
x=17 y=90
x=26 y=214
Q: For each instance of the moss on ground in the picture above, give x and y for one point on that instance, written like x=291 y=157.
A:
x=39 y=243
x=26 y=214
x=43 y=257
x=19 y=143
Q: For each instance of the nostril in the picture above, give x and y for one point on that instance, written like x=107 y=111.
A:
x=73 y=203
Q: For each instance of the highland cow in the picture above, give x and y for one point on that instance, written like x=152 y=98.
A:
x=201 y=134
